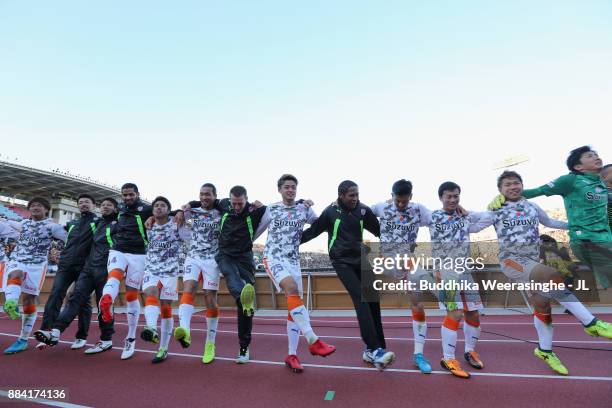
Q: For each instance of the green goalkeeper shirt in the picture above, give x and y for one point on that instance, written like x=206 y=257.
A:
x=586 y=203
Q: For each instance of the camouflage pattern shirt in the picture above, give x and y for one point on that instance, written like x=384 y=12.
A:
x=6 y=233
x=285 y=225
x=517 y=227
x=450 y=232
x=163 y=250
x=204 y=232
x=35 y=240
x=401 y=226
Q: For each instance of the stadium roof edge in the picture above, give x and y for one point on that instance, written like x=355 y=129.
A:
x=26 y=182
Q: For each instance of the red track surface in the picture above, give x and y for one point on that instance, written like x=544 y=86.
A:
x=512 y=376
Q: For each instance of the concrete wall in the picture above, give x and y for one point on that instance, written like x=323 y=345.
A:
x=63 y=210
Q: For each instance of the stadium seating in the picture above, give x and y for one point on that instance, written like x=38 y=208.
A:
x=9 y=213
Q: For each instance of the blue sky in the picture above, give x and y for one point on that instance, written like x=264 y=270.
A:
x=171 y=95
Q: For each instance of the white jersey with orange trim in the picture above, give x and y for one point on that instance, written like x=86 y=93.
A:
x=6 y=232
x=204 y=233
x=165 y=242
x=285 y=224
x=35 y=239
x=517 y=227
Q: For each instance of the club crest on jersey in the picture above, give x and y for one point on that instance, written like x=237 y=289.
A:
x=520 y=212
x=449 y=219
x=403 y=220
x=140 y=208
x=363 y=211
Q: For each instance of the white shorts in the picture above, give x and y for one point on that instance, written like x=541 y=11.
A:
x=462 y=300
x=3 y=276
x=205 y=269
x=277 y=271
x=167 y=285
x=34 y=276
x=132 y=264
x=518 y=269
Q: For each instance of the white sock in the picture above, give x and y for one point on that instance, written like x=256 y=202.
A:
x=151 y=313
x=166 y=331
x=301 y=318
x=12 y=292
x=133 y=313
x=545 y=334
x=293 y=337
x=419 y=329
x=111 y=288
x=185 y=313
x=471 y=334
x=579 y=311
x=27 y=323
x=449 y=342
x=211 y=329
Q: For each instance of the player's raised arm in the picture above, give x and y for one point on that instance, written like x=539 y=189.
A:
x=263 y=224
x=425 y=216
x=370 y=222
x=549 y=222
x=15 y=225
x=561 y=186
x=317 y=227
x=59 y=232
x=257 y=209
x=378 y=209
x=480 y=221
x=311 y=216
x=7 y=231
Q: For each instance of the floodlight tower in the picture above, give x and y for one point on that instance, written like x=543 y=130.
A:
x=510 y=161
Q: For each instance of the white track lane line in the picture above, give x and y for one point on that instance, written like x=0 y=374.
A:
x=385 y=323
x=356 y=368
x=397 y=338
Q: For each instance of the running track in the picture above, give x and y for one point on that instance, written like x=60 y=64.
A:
x=512 y=376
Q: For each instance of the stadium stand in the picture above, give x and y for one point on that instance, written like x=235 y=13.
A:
x=12 y=214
